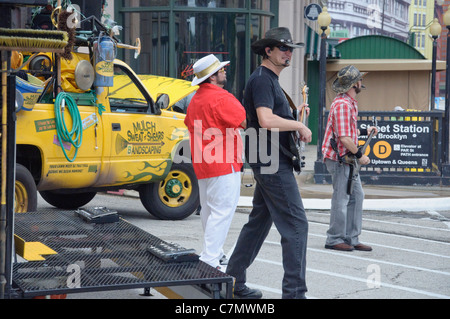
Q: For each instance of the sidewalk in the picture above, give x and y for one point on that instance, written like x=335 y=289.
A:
x=382 y=198
x=377 y=197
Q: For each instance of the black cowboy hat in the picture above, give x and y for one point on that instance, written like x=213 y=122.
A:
x=275 y=37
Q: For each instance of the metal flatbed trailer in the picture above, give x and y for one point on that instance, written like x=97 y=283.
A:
x=78 y=256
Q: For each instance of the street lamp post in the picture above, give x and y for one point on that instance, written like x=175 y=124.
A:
x=324 y=21
x=435 y=31
x=446 y=126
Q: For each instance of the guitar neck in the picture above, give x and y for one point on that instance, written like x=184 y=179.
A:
x=302 y=116
x=363 y=149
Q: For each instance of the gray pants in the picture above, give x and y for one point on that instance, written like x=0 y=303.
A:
x=346 y=210
x=276 y=199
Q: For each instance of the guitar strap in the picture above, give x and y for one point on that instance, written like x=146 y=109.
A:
x=335 y=148
x=293 y=107
x=291 y=103
x=350 y=179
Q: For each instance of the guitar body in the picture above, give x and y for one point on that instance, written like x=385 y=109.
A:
x=295 y=148
x=353 y=175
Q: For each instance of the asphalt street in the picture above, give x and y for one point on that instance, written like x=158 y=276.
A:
x=410 y=257
x=408 y=228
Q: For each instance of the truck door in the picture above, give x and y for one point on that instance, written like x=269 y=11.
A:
x=138 y=152
x=63 y=165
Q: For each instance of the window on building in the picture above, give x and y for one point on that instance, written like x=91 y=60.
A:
x=174 y=35
x=153 y=30
x=261 y=4
x=145 y=3
x=200 y=34
x=211 y=3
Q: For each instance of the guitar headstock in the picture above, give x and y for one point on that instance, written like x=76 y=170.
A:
x=305 y=91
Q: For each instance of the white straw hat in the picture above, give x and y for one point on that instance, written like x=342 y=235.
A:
x=205 y=67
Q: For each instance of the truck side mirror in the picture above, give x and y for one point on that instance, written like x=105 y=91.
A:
x=162 y=103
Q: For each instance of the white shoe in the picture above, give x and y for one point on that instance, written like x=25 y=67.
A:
x=223 y=260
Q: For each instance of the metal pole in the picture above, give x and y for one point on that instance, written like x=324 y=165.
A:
x=3 y=220
x=322 y=90
x=446 y=127
x=433 y=74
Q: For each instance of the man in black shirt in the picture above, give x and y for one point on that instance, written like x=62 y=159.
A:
x=276 y=198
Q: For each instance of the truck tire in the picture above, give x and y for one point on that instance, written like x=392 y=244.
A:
x=25 y=191
x=67 y=201
x=174 y=198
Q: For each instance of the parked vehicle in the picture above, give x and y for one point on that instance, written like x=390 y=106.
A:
x=78 y=142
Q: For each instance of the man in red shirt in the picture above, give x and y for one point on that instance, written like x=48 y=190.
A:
x=342 y=127
x=213 y=118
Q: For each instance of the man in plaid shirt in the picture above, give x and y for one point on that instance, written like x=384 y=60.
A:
x=342 y=128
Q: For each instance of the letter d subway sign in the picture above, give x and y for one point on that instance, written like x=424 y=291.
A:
x=406 y=144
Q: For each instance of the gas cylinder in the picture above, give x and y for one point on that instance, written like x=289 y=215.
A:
x=104 y=55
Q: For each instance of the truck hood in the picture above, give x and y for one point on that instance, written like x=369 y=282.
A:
x=176 y=89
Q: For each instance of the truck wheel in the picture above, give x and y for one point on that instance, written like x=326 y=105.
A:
x=25 y=192
x=174 y=198
x=67 y=201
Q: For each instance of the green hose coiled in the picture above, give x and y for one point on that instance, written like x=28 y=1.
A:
x=75 y=136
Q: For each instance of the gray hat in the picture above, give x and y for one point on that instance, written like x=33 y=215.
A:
x=346 y=78
x=274 y=37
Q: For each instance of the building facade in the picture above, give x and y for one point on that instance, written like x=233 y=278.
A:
x=421 y=15
x=352 y=18
x=176 y=33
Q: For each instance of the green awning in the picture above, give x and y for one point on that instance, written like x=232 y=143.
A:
x=312 y=45
x=378 y=47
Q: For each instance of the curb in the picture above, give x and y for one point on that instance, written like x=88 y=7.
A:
x=386 y=205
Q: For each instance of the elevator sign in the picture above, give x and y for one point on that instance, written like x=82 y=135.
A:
x=404 y=144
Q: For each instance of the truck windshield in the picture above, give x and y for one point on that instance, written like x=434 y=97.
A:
x=125 y=95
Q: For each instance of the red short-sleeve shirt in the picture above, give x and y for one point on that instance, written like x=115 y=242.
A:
x=213 y=119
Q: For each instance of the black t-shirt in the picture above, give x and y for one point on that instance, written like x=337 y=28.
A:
x=264 y=90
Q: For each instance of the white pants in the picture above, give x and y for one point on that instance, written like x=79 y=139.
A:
x=219 y=197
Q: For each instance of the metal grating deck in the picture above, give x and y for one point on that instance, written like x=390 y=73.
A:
x=95 y=257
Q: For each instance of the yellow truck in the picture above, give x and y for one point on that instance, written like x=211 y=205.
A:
x=77 y=142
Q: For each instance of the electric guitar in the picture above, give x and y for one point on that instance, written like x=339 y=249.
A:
x=303 y=117
x=296 y=145
x=354 y=164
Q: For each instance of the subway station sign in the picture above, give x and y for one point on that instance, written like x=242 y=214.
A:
x=403 y=144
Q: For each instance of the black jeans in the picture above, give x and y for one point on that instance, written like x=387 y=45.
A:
x=276 y=199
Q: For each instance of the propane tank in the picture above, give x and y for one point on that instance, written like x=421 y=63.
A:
x=104 y=55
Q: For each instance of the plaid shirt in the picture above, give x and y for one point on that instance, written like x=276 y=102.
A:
x=342 y=121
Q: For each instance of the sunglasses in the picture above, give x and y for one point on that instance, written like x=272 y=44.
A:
x=222 y=70
x=285 y=48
